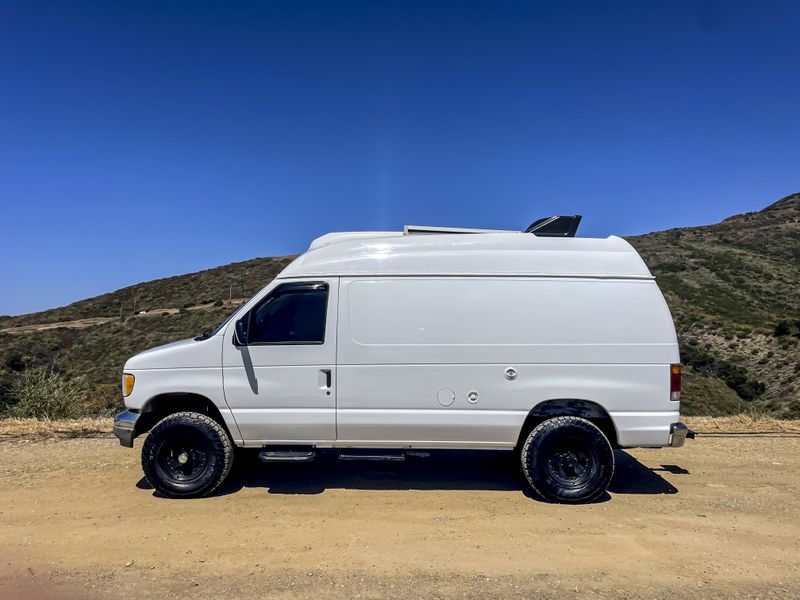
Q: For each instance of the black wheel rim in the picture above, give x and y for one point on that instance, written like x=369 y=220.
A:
x=571 y=463
x=183 y=459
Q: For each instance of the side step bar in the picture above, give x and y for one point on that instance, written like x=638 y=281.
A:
x=269 y=455
x=349 y=455
x=382 y=454
x=309 y=453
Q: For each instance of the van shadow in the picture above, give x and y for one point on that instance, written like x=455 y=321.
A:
x=632 y=477
x=443 y=470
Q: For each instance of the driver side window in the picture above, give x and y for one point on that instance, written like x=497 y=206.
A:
x=294 y=313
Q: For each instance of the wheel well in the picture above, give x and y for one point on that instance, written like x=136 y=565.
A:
x=566 y=407
x=164 y=405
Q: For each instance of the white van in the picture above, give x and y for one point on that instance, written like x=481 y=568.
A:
x=382 y=344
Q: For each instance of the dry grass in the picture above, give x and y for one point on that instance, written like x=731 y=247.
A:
x=40 y=429
x=742 y=424
x=32 y=429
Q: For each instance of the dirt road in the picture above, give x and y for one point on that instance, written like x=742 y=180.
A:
x=717 y=518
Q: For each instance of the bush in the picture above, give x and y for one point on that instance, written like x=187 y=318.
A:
x=782 y=328
x=5 y=393
x=42 y=393
x=15 y=362
x=736 y=377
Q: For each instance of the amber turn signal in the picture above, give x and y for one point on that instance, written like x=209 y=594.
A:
x=127 y=384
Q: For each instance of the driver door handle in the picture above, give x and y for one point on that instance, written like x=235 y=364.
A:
x=325 y=378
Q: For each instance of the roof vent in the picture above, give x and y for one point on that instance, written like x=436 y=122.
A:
x=557 y=226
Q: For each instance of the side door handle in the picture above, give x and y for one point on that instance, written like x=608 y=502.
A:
x=325 y=378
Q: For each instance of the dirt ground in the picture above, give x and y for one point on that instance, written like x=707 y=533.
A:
x=719 y=518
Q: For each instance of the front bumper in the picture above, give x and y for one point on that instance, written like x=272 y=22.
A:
x=125 y=427
x=678 y=432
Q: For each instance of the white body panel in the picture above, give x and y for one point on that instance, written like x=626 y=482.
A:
x=419 y=334
x=188 y=367
x=403 y=340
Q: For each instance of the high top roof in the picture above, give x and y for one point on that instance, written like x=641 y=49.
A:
x=506 y=253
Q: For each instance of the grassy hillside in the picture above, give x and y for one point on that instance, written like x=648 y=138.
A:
x=240 y=280
x=734 y=291
x=733 y=288
x=169 y=309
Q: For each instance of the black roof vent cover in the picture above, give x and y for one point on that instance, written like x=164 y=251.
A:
x=558 y=226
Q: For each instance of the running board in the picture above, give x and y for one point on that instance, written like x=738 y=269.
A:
x=287 y=455
x=382 y=455
x=372 y=456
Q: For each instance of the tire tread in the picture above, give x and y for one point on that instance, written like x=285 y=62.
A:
x=547 y=427
x=221 y=444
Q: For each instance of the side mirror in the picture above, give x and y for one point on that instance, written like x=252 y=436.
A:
x=240 y=335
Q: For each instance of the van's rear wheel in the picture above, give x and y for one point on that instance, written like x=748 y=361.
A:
x=567 y=459
x=187 y=455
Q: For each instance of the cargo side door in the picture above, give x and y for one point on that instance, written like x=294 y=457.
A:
x=408 y=371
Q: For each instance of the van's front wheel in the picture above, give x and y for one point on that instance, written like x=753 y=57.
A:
x=186 y=455
x=567 y=459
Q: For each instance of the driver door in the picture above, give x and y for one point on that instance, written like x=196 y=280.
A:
x=280 y=384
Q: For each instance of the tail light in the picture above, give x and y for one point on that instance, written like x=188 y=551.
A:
x=675 y=383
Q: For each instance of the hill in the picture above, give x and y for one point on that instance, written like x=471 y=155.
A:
x=734 y=291
x=237 y=280
x=733 y=288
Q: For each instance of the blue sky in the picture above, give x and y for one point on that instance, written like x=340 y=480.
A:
x=142 y=140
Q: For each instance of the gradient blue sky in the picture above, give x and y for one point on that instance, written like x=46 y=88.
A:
x=141 y=140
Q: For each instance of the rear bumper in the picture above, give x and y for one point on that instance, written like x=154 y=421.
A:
x=678 y=432
x=125 y=427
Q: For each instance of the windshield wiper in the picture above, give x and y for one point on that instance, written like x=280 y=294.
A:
x=212 y=332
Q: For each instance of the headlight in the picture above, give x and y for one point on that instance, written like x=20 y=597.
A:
x=127 y=384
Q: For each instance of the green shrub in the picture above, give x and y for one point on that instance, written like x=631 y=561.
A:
x=42 y=393
x=791 y=409
x=782 y=328
x=670 y=267
x=15 y=362
x=736 y=377
x=5 y=393
x=708 y=395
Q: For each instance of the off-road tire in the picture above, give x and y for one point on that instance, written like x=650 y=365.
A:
x=562 y=446
x=206 y=446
